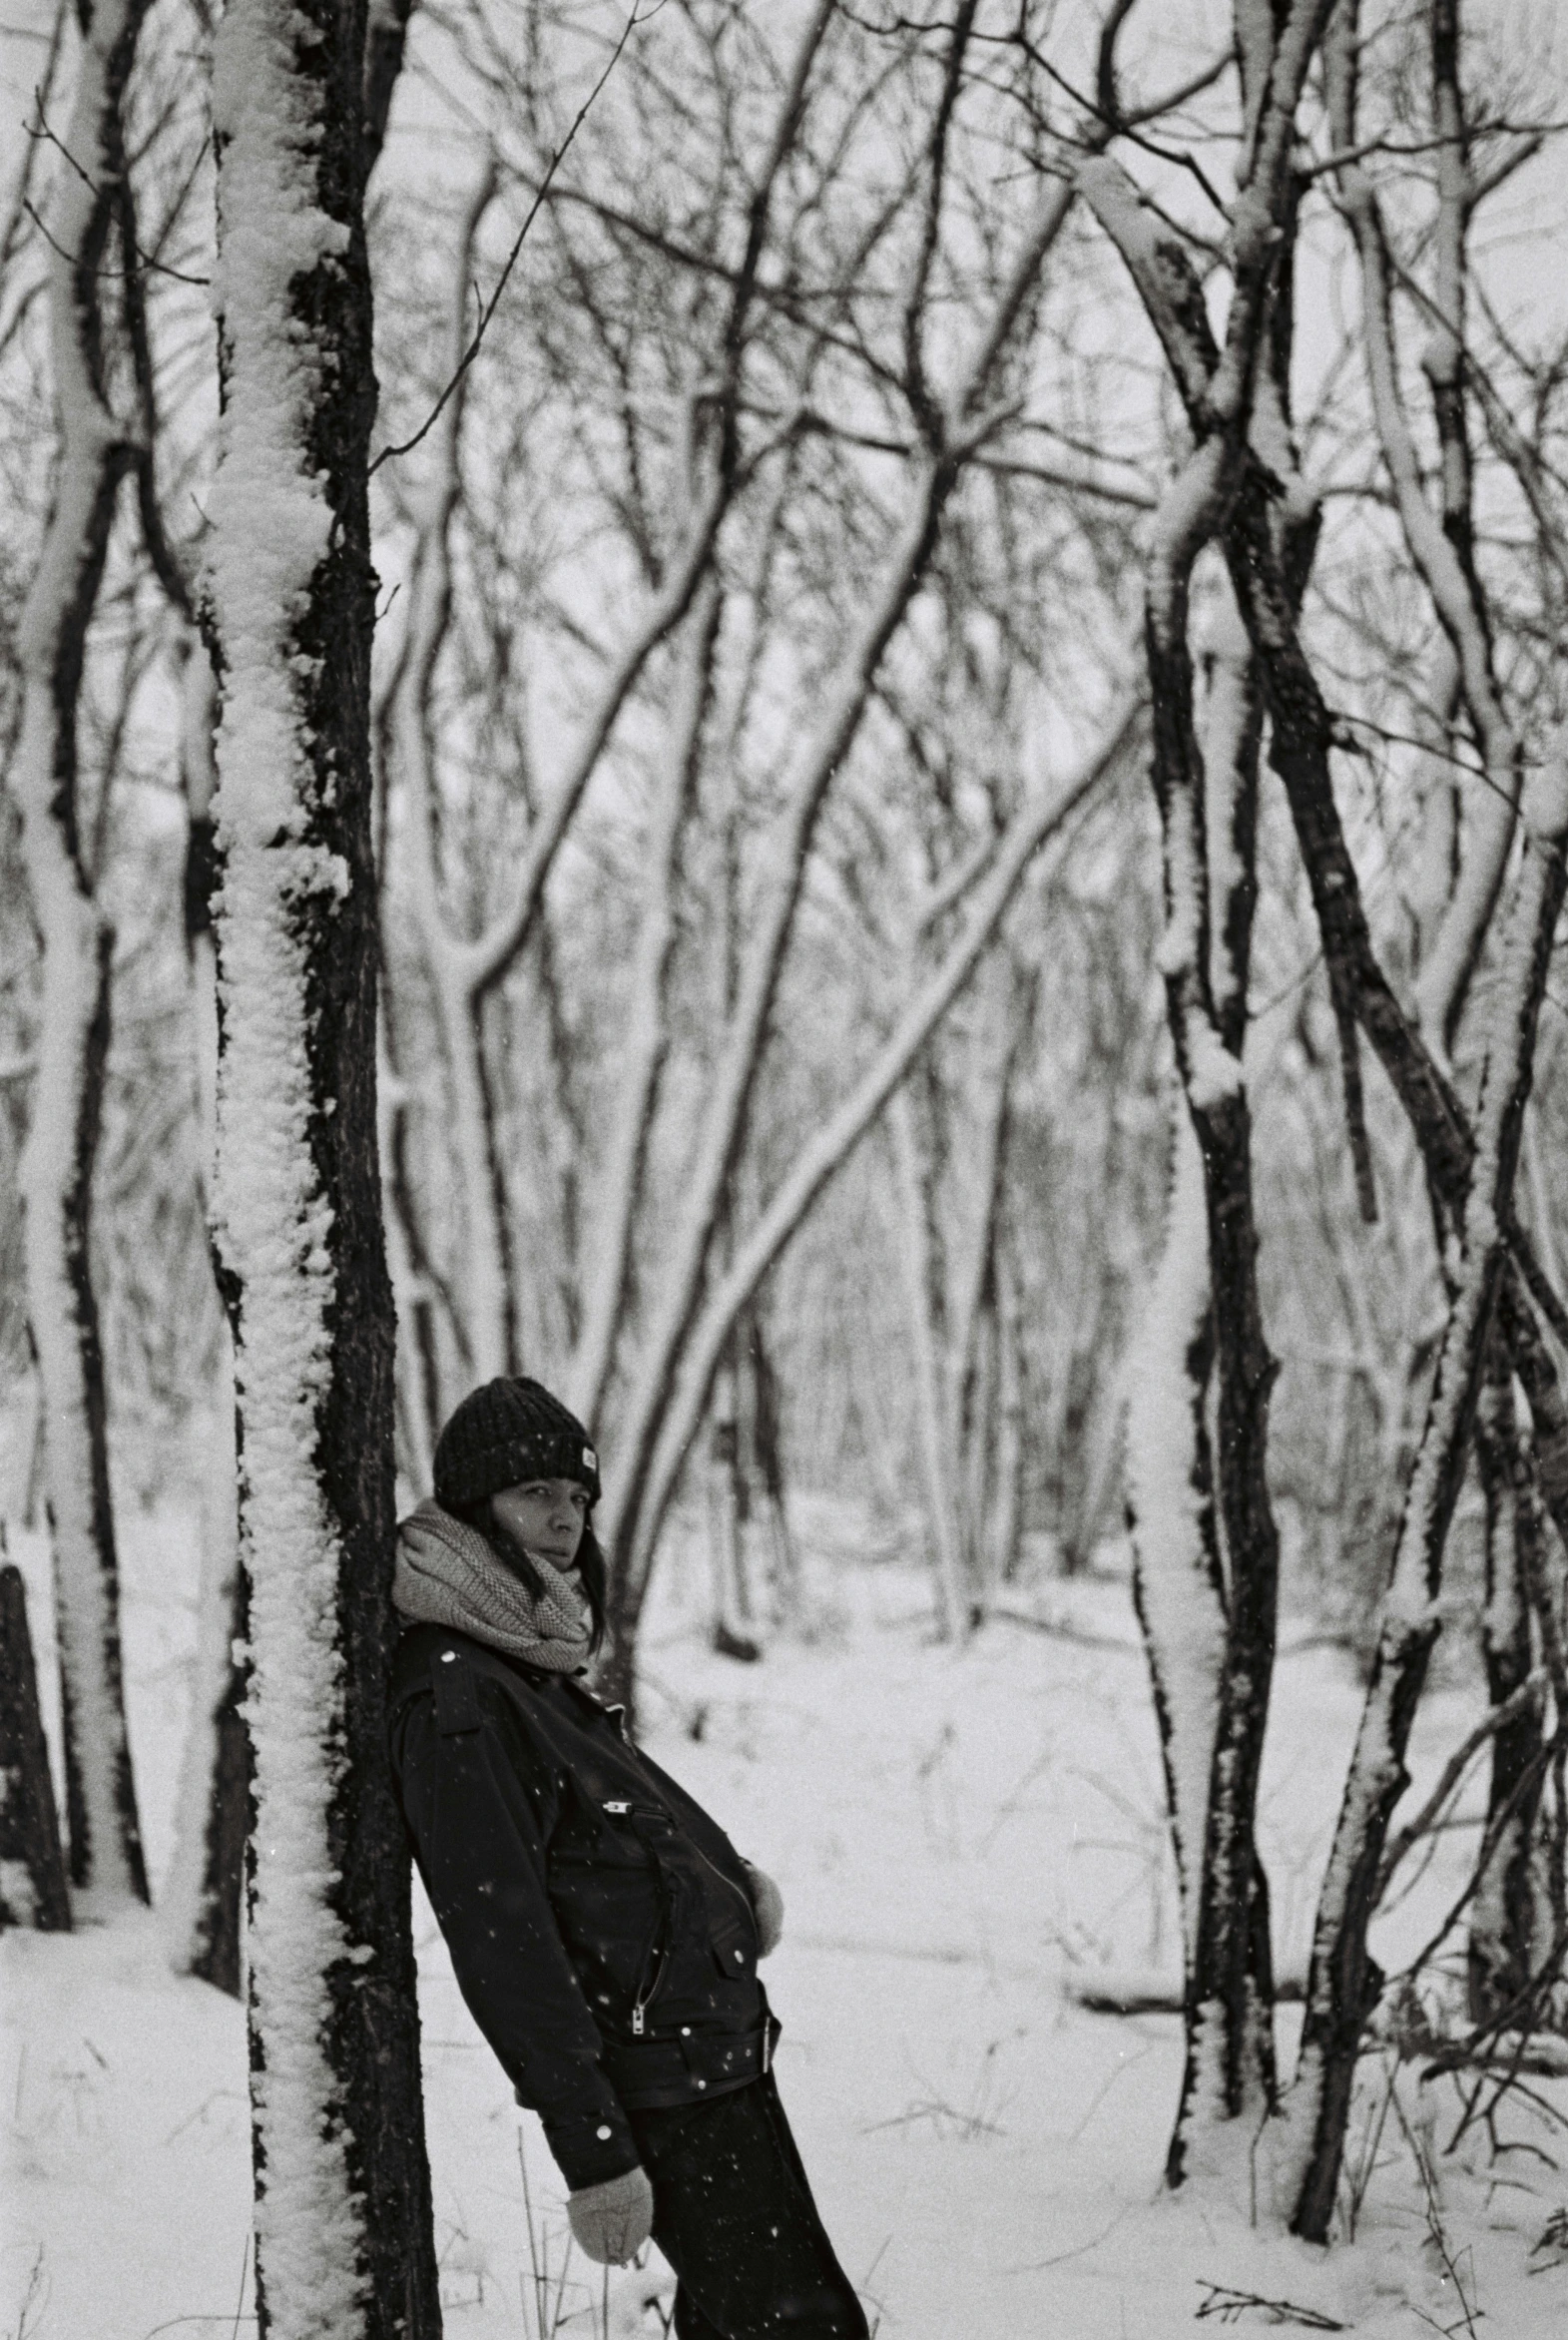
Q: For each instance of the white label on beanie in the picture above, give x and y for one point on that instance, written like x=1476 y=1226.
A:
x=590 y=1459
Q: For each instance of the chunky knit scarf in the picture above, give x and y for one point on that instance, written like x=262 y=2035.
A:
x=448 y=1574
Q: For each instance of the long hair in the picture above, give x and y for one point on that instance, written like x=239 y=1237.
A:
x=591 y=1568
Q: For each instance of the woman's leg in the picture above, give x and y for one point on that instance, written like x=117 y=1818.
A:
x=735 y=2218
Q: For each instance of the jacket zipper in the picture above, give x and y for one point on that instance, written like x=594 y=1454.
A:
x=658 y=1952
x=622 y=1809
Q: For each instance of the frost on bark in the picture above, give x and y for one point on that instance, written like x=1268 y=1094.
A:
x=73 y=1005
x=343 y=2244
x=1343 y=1982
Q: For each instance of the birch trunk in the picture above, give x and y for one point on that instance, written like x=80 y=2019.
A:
x=344 y=2239
x=1343 y=1982
x=74 y=998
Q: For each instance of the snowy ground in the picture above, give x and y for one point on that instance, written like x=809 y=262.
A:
x=954 y=1833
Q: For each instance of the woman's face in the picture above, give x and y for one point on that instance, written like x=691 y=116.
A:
x=546 y=1516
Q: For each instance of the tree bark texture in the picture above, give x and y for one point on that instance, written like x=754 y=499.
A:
x=74 y=993
x=344 y=2237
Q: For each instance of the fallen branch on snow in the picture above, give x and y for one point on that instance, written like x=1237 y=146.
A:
x=1230 y=2305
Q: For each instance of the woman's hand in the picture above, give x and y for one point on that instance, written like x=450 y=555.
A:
x=768 y=1903
x=613 y=2221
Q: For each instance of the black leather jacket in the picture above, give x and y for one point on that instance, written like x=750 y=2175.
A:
x=600 y=1924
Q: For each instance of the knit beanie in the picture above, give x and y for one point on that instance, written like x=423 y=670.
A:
x=508 y=1430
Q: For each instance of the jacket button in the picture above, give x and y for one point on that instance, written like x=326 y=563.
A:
x=686 y=2031
x=740 y=1958
x=701 y=2083
x=603 y=2132
x=447 y=1655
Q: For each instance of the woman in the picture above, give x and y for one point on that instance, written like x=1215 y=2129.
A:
x=603 y=1929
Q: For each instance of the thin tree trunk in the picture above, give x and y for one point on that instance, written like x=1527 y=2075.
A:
x=910 y=1232
x=1343 y=1982
x=1004 y=1529
x=74 y=1002
x=344 y=2231
x=731 y=1619
x=1503 y=1947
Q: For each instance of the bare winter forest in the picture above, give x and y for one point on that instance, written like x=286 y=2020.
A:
x=841 y=725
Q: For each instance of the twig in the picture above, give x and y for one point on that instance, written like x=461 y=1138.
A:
x=471 y=352
x=1229 y=2305
x=1529 y=1693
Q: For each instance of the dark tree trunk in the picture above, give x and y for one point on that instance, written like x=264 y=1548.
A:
x=216 y=1953
x=32 y=1868
x=1502 y=1940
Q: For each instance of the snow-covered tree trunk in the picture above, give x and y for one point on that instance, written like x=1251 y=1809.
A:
x=74 y=999
x=1207 y=1549
x=1343 y=1982
x=201 y=1900
x=1178 y=1585
x=343 y=2242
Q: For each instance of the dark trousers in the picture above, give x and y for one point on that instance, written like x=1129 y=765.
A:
x=734 y=2216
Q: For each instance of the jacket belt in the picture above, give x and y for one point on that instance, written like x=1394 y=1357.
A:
x=645 y=2070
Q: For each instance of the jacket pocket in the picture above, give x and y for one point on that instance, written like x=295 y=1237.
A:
x=731 y=1922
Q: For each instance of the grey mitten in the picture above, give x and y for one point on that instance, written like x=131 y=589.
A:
x=768 y=1903
x=613 y=2221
